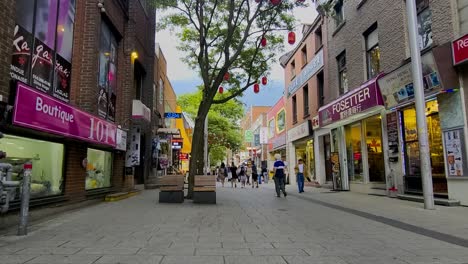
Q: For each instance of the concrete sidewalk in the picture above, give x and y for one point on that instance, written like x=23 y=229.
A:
x=246 y=226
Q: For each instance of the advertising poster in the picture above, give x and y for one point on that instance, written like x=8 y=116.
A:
x=62 y=79
x=454 y=148
x=21 y=56
x=392 y=132
x=42 y=67
x=280 y=121
x=102 y=102
x=335 y=161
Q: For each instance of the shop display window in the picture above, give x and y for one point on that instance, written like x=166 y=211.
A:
x=98 y=165
x=374 y=149
x=47 y=162
x=412 y=161
x=354 y=153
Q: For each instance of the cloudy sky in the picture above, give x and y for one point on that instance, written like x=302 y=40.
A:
x=184 y=80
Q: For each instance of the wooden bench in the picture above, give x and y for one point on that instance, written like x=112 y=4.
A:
x=171 y=188
x=204 y=189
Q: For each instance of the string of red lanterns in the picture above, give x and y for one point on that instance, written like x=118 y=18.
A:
x=256 y=88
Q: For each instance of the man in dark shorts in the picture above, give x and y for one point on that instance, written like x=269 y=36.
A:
x=278 y=169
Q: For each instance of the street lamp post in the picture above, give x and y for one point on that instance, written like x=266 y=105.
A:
x=424 y=153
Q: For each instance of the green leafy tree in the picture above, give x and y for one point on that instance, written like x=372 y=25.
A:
x=221 y=36
x=223 y=129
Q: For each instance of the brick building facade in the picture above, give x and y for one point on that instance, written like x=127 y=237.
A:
x=100 y=55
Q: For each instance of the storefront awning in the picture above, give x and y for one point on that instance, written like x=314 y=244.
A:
x=171 y=131
x=354 y=102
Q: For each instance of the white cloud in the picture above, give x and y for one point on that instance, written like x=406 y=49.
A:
x=178 y=70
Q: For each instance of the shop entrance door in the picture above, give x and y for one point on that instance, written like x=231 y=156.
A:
x=327 y=155
x=354 y=152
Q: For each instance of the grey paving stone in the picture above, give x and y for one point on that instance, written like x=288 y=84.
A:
x=247 y=245
x=16 y=259
x=278 y=252
x=129 y=259
x=57 y=259
x=373 y=260
x=254 y=260
x=188 y=251
x=48 y=251
x=196 y=245
x=222 y=252
x=193 y=260
x=313 y=260
x=10 y=249
x=107 y=251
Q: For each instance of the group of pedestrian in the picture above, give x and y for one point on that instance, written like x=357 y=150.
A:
x=245 y=174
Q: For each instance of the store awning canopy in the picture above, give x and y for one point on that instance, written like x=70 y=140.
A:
x=171 y=131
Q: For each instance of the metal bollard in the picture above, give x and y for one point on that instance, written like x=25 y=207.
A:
x=24 y=211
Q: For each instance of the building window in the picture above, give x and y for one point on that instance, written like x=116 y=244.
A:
x=304 y=55
x=107 y=73
x=293 y=69
x=320 y=91
x=98 y=165
x=47 y=162
x=306 y=100
x=424 y=24
x=342 y=75
x=318 y=39
x=271 y=128
x=339 y=13
x=294 y=109
x=372 y=52
x=138 y=79
x=280 y=121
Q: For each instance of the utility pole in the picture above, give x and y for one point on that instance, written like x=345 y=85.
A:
x=424 y=153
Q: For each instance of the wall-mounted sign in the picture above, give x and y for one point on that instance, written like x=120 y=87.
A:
x=460 y=50
x=177 y=144
x=249 y=136
x=300 y=131
x=264 y=135
x=36 y=110
x=397 y=86
x=133 y=153
x=454 y=152
x=309 y=70
x=173 y=115
x=183 y=156
x=121 y=140
x=392 y=132
x=315 y=122
x=354 y=102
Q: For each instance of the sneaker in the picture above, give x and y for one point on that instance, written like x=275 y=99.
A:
x=285 y=194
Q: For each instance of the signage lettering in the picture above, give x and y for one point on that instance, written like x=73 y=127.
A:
x=460 y=50
x=308 y=71
x=19 y=43
x=351 y=101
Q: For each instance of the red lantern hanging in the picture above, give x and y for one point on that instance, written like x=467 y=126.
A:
x=220 y=90
x=264 y=80
x=291 y=37
x=263 y=42
x=275 y=2
x=256 y=88
x=226 y=76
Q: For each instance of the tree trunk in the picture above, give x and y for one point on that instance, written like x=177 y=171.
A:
x=197 y=158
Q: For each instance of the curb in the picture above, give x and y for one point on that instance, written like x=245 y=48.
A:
x=120 y=196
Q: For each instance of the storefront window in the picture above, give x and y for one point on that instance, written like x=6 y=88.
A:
x=98 y=169
x=354 y=154
x=413 y=163
x=47 y=162
x=374 y=149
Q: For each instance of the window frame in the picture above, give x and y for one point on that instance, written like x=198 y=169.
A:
x=294 y=109
x=339 y=16
x=305 y=100
x=304 y=56
x=369 y=51
x=318 y=39
x=293 y=69
x=342 y=71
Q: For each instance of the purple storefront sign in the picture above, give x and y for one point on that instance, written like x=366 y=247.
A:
x=36 y=110
x=354 y=102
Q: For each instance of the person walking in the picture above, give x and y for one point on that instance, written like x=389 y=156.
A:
x=249 y=172
x=278 y=170
x=300 y=175
x=254 y=175
x=234 y=176
x=265 y=174
x=222 y=173
x=243 y=175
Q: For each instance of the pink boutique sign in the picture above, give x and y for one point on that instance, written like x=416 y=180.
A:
x=36 y=110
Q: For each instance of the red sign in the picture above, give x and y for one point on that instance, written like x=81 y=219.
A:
x=183 y=156
x=460 y=50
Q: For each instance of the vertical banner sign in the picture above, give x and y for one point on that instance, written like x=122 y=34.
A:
x=42 y=67
x=454 y=152
x=392 y=132
x=133 y=151
x=21 y=58
x=62 y=78
x=249 y=137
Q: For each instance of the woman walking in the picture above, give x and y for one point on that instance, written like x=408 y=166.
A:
x=254 y=175
x=222 y=173
x=234 y=176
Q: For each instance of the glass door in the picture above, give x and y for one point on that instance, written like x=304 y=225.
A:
x=353 y=135
x=374 y=149
x=328 y=163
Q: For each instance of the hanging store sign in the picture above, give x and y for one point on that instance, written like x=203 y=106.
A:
x=183 y=156
x=309 y=70
x=264 y=135
x=354 y=102
x=315 y=122
x=300 y=131
x=249 y=136
x=397 y=86
x=173 y=115
x=121 y=140
x=38 y=111
x=133 y=153
x=460 y=50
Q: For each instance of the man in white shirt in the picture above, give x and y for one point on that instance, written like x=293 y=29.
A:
x=300 y=176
